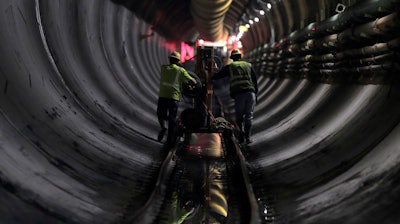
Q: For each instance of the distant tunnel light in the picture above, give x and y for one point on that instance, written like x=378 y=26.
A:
x=206 y=43
x=239 y=45
x=242 y=29
x=200 y=42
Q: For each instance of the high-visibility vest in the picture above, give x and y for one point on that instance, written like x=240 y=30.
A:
x=240 y=77
x=171 y=80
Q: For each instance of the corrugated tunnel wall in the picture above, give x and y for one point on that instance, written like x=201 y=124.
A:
x=78 y=125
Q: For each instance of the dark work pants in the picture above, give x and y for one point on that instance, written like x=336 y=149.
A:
x=244 y=109
x=166 y=111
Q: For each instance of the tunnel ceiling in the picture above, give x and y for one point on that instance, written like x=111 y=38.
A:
x=78 y=96
x=187 y=21
x=215 y=20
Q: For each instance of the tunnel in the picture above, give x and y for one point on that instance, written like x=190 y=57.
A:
x=79 y=87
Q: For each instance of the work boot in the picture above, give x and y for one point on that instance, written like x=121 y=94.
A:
x=161 y=134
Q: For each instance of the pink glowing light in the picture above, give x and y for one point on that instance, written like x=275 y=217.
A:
x=187 y=52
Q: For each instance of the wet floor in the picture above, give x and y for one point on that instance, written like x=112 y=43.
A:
x=198 y=193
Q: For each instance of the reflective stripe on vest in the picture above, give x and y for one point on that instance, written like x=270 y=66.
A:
x=175 y=83
x=240 y=77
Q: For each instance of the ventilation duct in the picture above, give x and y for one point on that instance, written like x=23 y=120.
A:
x=208 y=16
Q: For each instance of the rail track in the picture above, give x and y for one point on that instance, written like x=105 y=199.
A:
x=203 y=179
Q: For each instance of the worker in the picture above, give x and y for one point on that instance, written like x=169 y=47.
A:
x=243 y=89
x=172 y=77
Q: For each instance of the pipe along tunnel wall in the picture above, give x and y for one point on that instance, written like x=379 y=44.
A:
x=78 y=125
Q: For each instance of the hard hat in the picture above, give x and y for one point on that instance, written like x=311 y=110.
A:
x=175 y=55
x=236 y=52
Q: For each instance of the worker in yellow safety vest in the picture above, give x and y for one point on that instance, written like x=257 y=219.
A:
x=243 y=89
x=172 y=77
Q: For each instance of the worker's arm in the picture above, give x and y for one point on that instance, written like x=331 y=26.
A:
x=190 y=80
x=193 y=81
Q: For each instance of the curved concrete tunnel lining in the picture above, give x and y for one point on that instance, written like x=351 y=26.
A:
x=380 y=159
x=297 y=115
x=125 y=76
x=103 y=73
x=59 y=132
x=58 y=144
x=374 y=173
x=322 y=128
x=281 y=99
x=277 y=96
x=344 y=149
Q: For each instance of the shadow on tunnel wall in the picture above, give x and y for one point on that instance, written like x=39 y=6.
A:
x=78 y=126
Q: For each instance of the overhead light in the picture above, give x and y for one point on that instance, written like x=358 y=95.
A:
x=256 y=19
x=201 y=41
x=248 y=25
x=243 y=29
x=262 y=12
x=251 y=21
x=269 y=6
